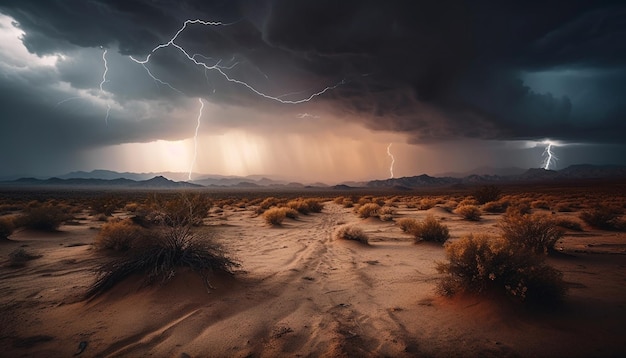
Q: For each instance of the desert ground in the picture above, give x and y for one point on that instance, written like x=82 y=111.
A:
x=301 y=291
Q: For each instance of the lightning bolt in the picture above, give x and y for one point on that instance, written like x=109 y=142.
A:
x=104 y=80
x=550 y=157
x=304 y=115
x=216 y=67
x=393 y=160
x=195 y=139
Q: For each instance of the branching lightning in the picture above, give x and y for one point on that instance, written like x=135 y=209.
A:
x=393 y=160
x=195 y=139
x=550 y=157
x=216 y=67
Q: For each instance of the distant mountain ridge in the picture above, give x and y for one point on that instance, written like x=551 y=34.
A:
x=105 y=178
x=582 y=171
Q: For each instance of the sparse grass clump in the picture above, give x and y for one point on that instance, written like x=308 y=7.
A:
x=19 y=257
x=480 y=264
x=368 y=210
x=174 y=249
x=6 y=227
x=275 y=216
x=537 y=233
x=469 y=212
x=431 y=230
x=352 y=233
x=604 y=217
x=120 y=235
x=266 y=204
x=45 y=218
x=540 y=204
x=568 y=224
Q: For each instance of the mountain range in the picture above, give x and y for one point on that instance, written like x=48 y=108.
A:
x=106 y=178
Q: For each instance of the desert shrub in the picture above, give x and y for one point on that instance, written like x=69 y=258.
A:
x=352 y=233
x=45 y=218
x=185 y=209
x=105 y=205
x=131 y=207
x=469 y=212
x=427 y=203
x=6 y=227
x=537 y=233
x=468 y=201
x=298 y=205
x=481 y=264
x=275 y=216
x=431 y=230
x=368 y=210
x=347 y=203
x=386 y=213
x=498 y=206
x=563 y=207
x=487 y=193
x=603 y=217
x=540 y=204
x=291 y=213
x=339 y=200
x=568 y=224
x=518 y=208
x=314 y=205
x=266 y=204
x=174 y=249
x=19 y=257
x=365 y=200
x=408 y=225
x=120 y=235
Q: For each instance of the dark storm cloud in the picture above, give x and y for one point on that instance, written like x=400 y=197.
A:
x=432 y=69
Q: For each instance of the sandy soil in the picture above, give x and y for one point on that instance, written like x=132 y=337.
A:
x=304 y=293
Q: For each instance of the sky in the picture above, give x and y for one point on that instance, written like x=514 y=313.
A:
x=309 y=90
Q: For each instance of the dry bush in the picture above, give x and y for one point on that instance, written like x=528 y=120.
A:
x=275 y=216
x=468 y=201
x=306 y=206
x=339 y=200
x=120 y=235
x=19 y=257
x=482 y=264
x=487 y=193
x=518 y=208
x=352 y=233
x=469 y=212
x=386 y=213
x=131 y=207
x=175 y=248
x=568 y=224
x=498 y=206
x=431 y=230
x=347 y=203
x=368 y=210
x=6 y=227
x=46 y=218
x=408 y=225
x=291 y=213
x=563 y=207
x=604 y=217
x=450 y=205
x=365 y=200
x=427 y=203
x=185 y=209
x=540 y=204
x=266 y=204
x=537 y=233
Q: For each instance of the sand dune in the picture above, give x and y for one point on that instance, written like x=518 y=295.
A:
x=304 y=293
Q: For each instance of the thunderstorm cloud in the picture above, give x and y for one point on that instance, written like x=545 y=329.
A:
x=442 y=74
